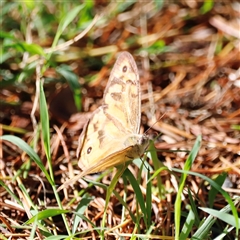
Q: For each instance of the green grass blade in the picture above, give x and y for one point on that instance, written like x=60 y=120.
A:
x=66 y=20
x=139 y=196
x=215 y=185
x=10 y=192
x=213 y=191
x=149 y=201
x=33 y=229
x=26 y=148
x=187 y=227
x=178 y=202
x=205 y=228
x=44 y=118
x=225 y=217
x=46 y=214
x=11 y=128
x=110 y=189
x=125 y=205
x=224 y=234
x=158 y=167
x=58 y=237
x=194 y=209
x=82 y=206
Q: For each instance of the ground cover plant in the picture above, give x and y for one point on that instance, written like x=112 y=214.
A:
x=56 y=57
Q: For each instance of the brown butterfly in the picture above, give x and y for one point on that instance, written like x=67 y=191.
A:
x=111 y=135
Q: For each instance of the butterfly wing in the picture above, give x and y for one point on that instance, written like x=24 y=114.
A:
x=101 y=149
x=122 y=94
x=111 y=136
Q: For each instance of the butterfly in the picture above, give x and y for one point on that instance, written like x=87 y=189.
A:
x=111 y=135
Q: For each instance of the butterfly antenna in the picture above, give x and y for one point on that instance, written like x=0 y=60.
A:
x=154 y=123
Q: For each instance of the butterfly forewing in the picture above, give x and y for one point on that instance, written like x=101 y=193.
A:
x=122 y=95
